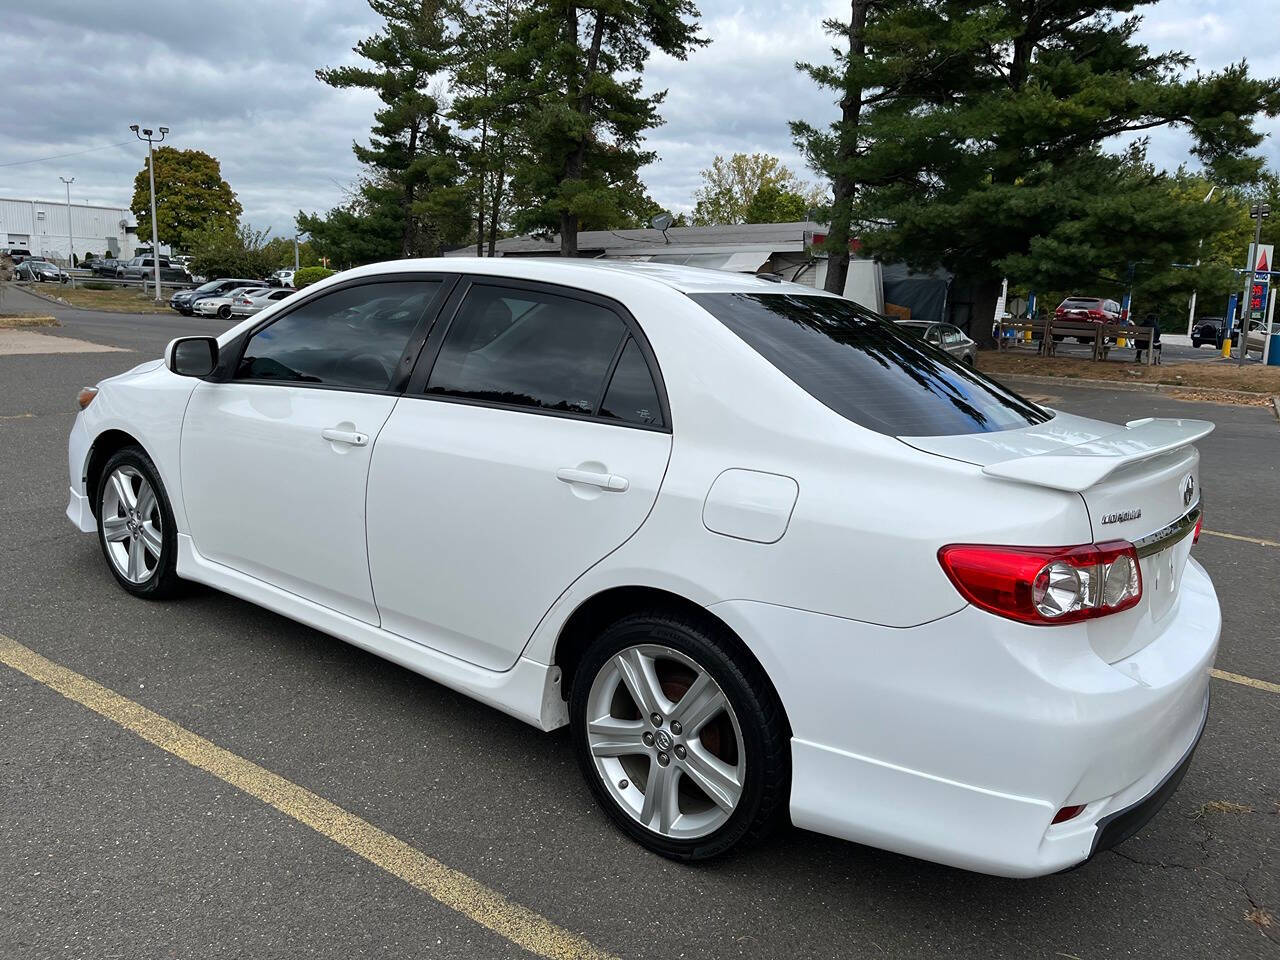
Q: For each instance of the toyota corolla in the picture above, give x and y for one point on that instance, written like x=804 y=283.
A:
x=765 y=554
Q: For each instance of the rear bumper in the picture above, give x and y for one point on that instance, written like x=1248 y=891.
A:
x=1115 y=828
x=959 y=740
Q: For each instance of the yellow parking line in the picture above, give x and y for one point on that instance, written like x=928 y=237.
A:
x=1236 y=536
x=1266 y=685
x=453 y=889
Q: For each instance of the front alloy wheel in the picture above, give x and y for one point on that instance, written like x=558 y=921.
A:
x=132 y=527
x=135 y=525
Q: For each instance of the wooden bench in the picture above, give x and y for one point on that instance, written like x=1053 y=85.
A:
x=1099 y=333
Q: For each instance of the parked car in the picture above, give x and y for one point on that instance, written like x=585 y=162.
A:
x=1088 y=310
x=143 y=268
x=16 y=254
x=764 y=553
x=219 y=305
x=183 y=301
x=281 y=278
x=1208 y=330
x=41 y=271
x=105 y=266
x=247 y=304
x=945 y=336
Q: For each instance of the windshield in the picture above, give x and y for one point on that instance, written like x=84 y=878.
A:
x=866 y=369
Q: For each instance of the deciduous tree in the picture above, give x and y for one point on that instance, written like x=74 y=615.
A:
x=191 y=197
x=729 y=186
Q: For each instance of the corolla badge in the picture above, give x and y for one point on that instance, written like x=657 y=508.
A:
x=1120 y=516
x=1188 y=489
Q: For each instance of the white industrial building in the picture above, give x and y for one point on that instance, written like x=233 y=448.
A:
x=41 y=227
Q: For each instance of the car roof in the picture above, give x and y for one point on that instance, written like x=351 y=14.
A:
x=594 y=274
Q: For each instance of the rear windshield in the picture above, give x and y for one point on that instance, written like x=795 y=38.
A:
x=1079 y=303
x=865 y=369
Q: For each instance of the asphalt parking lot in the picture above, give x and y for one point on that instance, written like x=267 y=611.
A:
x=116 y=844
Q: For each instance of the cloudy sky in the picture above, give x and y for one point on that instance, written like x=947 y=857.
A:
x=236 y=78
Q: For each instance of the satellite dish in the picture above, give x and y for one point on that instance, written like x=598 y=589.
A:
x=662 y=221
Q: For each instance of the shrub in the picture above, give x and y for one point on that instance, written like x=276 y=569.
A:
x=309 y=275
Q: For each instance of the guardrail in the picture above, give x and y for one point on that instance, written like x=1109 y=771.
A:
x=1099 y=333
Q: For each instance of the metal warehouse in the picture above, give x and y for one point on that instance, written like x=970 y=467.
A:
x=41 y=227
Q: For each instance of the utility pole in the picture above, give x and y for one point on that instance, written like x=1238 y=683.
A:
x=1191 y=314
x=145 y=134
x=1257 y=211
x=71 y=242
x=295 y=253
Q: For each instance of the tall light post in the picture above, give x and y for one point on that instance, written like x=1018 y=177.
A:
x=146 y=134
x=71 y=242
x=1191 y=314
x=1257 y=211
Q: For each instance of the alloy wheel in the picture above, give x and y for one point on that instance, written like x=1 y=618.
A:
x=132 y=524
x=665 y=741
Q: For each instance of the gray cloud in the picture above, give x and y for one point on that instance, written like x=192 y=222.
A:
x=237 y=79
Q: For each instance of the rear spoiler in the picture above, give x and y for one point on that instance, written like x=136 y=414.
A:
x=1078 y=468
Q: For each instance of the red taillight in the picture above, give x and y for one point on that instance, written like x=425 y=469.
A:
x=1067 y=813
x=1195 y=537
x=1045 y=585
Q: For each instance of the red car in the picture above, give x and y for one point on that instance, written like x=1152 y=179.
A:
x=1088 y=309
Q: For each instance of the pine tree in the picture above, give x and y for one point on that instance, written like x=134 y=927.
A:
x=580 y=106
x=485 y=104
x=413 y=156
x=984 y=148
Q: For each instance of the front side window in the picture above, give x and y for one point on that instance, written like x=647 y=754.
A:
x=865 y=369
x=351 y=338
x=528 y=348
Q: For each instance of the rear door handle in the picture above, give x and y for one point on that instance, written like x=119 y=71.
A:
x=353 y=437
x=605 y=481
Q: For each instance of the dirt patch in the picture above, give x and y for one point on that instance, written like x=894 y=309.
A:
x=119 y=300
x=1208 y=376
x=15 y=321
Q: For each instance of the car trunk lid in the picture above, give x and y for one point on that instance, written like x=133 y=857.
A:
x=1139 y=483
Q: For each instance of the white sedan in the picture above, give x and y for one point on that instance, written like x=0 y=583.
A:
x=221 y=305
x=765 y=554
x=255 y=301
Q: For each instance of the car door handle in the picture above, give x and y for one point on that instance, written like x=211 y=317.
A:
x=353 y=437
x=605 y=481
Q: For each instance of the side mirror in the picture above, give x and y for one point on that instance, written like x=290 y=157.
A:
x=192 y=356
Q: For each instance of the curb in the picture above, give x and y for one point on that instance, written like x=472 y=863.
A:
x=1168 y=388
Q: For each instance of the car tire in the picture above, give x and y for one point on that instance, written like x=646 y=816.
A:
x=131 y=501
x=741 y=749
x=968 y=360
x=224 y=312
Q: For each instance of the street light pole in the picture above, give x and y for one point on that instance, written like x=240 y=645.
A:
x=295 y=253
x=146 y=134
x=71 y=242
x=1191 y=315
x=1257 y=211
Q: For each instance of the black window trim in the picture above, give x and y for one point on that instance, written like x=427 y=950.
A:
x=229 y=357
x=416 y=387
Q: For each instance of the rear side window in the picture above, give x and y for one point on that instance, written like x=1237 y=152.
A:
x=528 y=348
x=632 y=396
x=865 y=369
